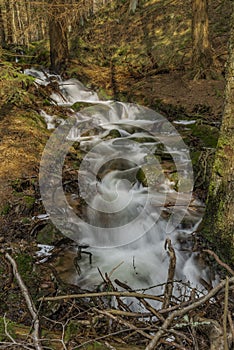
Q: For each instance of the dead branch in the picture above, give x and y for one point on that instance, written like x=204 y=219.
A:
x=181 y=312
x=6 y=330
x=101 y=338
x=29 y=302
x=102 y=294
x=142 y=300
x=219 y=261
x=125 y=323
x=171 y=272
x=129 y=313
x=119 y=301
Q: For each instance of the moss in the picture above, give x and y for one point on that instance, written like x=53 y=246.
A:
x=208 y=135
x=72 y=330
x=5 y=209
x=10 y=329
x=114 y=133
x=95 y=346
x=217 y=227
x=29 y=201
x=104 y=95
x=195 y=157
x=25 y=221
x=48 y=235
x=80 y=105
x=175 y=178
x=46 y=102
x=140 y=176
x=24 y=262
x=34 y=119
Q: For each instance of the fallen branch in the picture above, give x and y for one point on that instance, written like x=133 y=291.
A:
x=129 y=313
x=181 y=312
x=219 y=261
x=30 y=304
x=142 y=300
x=125 y=323
x=102 y=294
x=6 y=330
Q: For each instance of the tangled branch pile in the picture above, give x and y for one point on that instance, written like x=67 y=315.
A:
x=107 y=319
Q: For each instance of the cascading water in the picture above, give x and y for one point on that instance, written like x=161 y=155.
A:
x=137 y=187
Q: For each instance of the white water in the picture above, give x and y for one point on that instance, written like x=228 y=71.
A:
x=127 y=224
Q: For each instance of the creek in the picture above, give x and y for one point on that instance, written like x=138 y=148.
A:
x=136 y=181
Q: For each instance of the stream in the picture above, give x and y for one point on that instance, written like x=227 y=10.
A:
x=136 y=181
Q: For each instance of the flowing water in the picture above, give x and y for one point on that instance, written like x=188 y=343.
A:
x=136 y=180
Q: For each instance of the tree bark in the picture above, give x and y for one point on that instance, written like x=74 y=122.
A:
x=10 y=22
x=202 y=59
x=2 y=29
x=58 y=37
x=218 y=223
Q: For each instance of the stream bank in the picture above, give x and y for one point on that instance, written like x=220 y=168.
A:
x=21 y=232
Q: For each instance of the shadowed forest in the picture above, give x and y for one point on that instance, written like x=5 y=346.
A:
x=98 y=62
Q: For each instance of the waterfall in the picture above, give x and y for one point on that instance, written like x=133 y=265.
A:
x=137 y=187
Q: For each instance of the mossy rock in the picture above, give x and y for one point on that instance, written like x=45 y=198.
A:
x=113 y=134
x=150 y=175
x=49 y=234
x=78 y=106
x=140 y=176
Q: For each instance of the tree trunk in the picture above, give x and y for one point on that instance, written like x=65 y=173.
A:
x=10 y=22
x=19 y=27
x=2 y=29
x=202 y=59
x=58 y=37
x=218 y=223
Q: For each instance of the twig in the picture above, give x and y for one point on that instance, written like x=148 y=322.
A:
x=173 y=344
x=115 y=268
x=109 y=346
x=101 y=337
x=219 y=261
x=125 y=323
x=181 y=312
x=142 y=300
x=10 y=345
x=225 y=314
x=129 y=313
x=171 y=272
x=30 y=304
x=119 y=301
x=102 y=294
